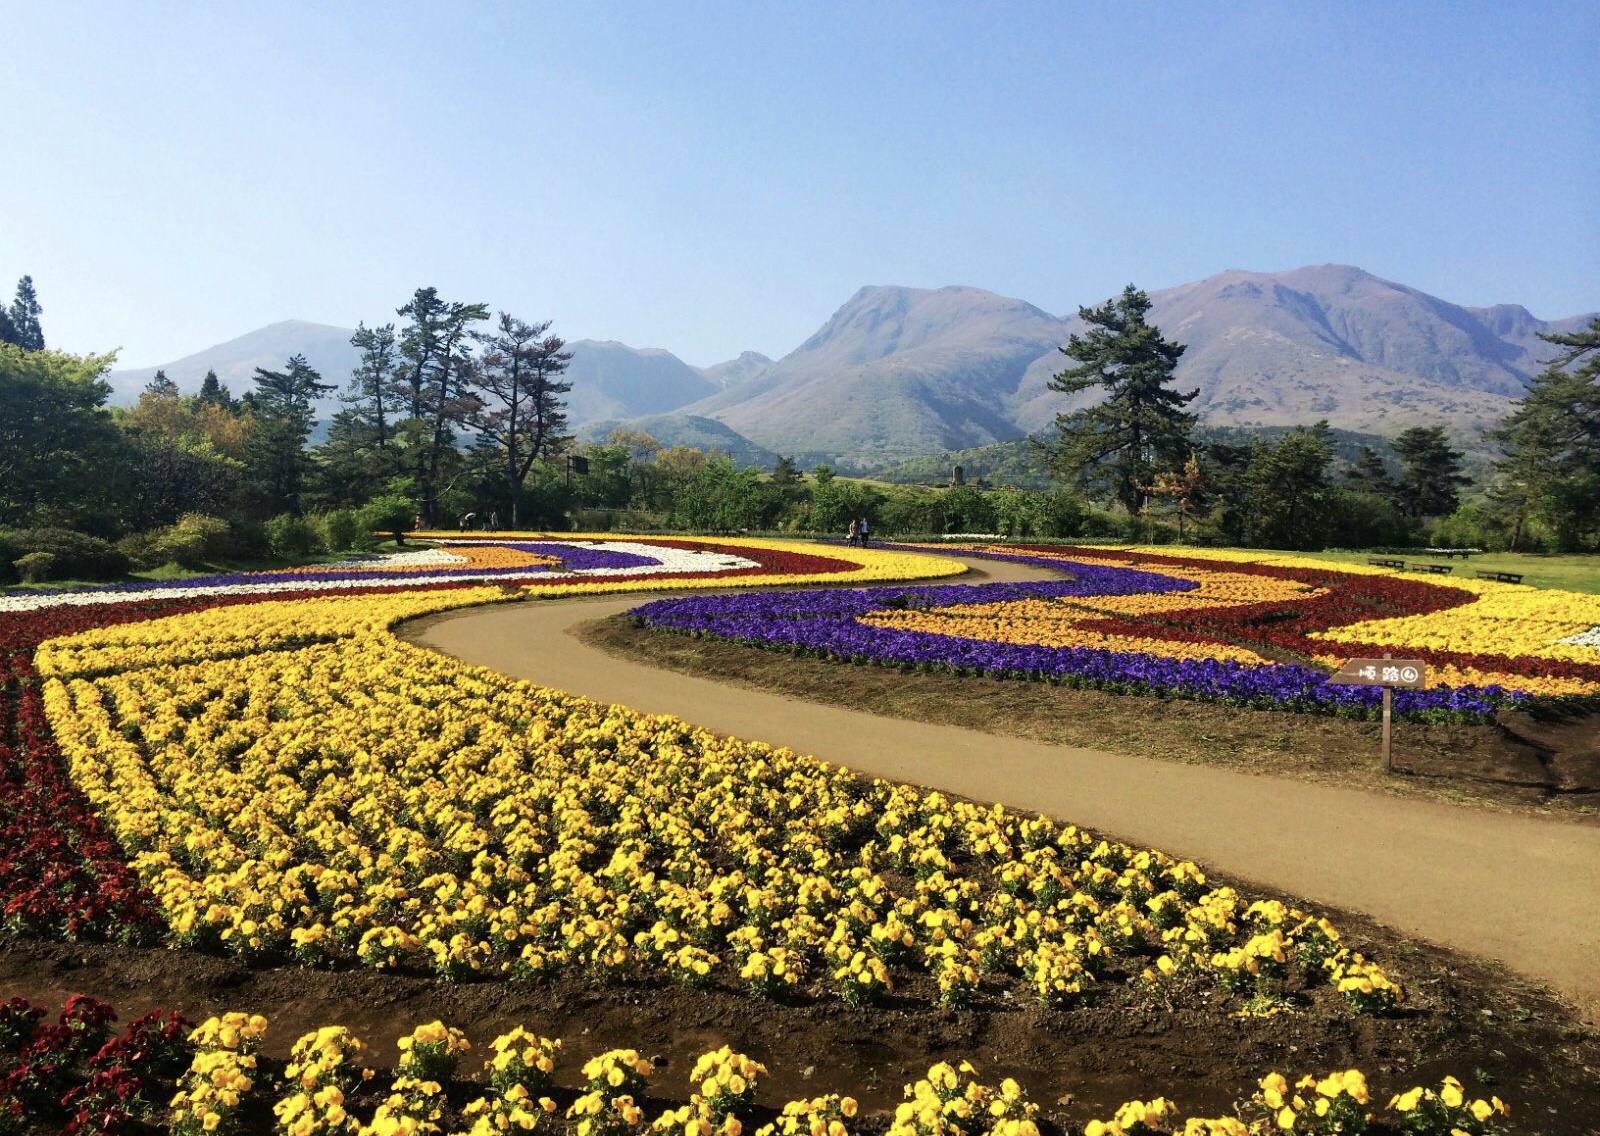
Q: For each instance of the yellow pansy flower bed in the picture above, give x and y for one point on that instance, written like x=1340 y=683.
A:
x=293 y=780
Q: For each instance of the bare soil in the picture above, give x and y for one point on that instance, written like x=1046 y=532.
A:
x=1545 y=762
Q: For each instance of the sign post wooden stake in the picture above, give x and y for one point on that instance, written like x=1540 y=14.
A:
x=1388 y=673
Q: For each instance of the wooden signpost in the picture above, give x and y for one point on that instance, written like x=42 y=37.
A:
x=1387 y=673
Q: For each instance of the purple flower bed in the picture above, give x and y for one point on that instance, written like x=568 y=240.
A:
x=824 y=623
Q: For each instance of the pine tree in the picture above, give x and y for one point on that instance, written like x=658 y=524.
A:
x=214 y=393
x=1430 y=473
x=1370 y=474
x=1117 y=447
x=372 y=383
x=519 y=406
x=24 y=317
x=1551 y=442
x=161 y=386
x=283 y=406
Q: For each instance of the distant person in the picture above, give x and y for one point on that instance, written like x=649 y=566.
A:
x=494 y=520
x=863 y=531
x=467 y=520
x=851 y=533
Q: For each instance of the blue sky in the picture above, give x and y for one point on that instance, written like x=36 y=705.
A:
x=711 y=178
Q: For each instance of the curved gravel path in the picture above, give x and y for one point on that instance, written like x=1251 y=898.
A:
x=1513 y=888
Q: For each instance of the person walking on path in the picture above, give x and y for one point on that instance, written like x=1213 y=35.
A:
x=862 y=530
x=850 y=533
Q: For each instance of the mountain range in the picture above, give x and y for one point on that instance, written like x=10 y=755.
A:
x=899 y=372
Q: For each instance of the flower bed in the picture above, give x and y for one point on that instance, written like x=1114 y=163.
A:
x=295 y=782
x=163 y=1074
x=1219 y=630
x=61 y=874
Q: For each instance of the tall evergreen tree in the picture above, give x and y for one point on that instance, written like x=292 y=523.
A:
x=24 y=317
x=161 y=386
x=435 y=347
x=213 y=392
x=1370 y=474
x=1287 y=482
x=1117 y=447
x=1551 y=442
x=282 y=405
x=373 y=382
x=8 y=334
x=1430 y=473
x=519 y=387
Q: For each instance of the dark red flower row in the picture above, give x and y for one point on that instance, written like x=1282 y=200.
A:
x=79 y=1078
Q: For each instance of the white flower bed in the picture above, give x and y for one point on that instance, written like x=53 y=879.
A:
x=664 y=560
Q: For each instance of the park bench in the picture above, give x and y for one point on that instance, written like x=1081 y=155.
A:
x=1452 y=553
x=1503 y=577
x=1436 y=569
x=1381 y=562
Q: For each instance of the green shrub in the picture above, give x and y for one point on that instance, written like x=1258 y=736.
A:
x=35 y=567
x=77 y=556
x=195 y=540
x=390 y=514
x=343 y=530
x=142 y=550
x=290 y=537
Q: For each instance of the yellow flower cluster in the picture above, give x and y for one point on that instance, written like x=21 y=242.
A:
x=1135 y=1117
x=1325 y=1106
x=1504 y=619
x=722 y=1081
x=819 y=1116
x=324 y=1064
x=1055 y=622
x=220 y=1076
x=951 y=1101
x=1047 y=623
x=1447 y=1111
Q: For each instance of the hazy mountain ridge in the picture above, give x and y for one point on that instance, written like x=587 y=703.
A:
x=898 y=372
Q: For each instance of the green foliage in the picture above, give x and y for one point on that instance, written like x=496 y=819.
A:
x=290 y=536
x=390 y=514
x=22 y=323
x=76 y=555
x=55 y=441
x=1430 y=480
x=723 y=498
x=1472 y=525
x=194 y=541
x=342 y=530
x=1286 y=489
x=1550 y=473
x=276 y=454
x=1116 y=447
x=35 y=567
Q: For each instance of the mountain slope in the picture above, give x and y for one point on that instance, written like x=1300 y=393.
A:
x=613 y=380
x=326 y=348
x=898 y=371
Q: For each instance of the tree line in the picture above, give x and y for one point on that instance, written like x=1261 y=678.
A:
x=451 y=412
x=1136 y=449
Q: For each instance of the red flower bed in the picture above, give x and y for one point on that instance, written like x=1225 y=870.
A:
x=78 y=1078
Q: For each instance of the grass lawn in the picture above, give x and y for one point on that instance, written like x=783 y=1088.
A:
x=1572 y=573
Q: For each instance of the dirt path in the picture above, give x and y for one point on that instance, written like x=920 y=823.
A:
x=1511 y=888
